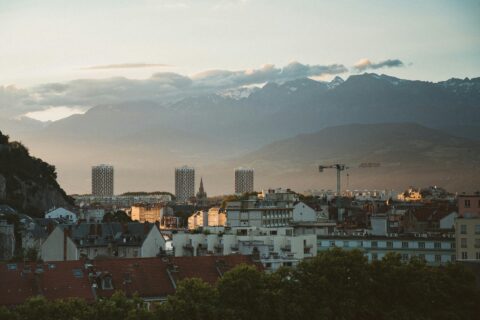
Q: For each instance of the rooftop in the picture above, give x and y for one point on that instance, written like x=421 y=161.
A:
x=149 y=277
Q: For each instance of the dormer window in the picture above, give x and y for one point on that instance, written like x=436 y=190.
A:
x=107 y=283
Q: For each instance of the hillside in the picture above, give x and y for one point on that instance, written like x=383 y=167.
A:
x=28 y=184
x=408 y=154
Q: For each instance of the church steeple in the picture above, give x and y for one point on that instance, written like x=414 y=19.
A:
x=201 y=194
x=200 y=190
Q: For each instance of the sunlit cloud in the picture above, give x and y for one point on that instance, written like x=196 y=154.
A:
x=55 y=113
x=366 y=64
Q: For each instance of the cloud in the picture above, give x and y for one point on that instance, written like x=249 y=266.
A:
x=43 y=101
x=365 y=64
x=55 y=113
x=126 y=66
x=294 y=70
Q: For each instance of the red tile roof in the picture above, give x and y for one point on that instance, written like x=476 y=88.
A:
x=148 y=277
x=64 y=279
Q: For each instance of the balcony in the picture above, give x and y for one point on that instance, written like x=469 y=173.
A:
x=188 y=246
x=286 y=247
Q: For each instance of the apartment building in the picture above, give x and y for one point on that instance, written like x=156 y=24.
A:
x=435 y=250
x=272 y=247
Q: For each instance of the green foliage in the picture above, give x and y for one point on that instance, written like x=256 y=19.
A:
x=117 y=216
x=194 y=299
x=234 y=197
x=335 y=284
x=3 y=138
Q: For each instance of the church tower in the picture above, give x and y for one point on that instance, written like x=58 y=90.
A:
x=201 y=195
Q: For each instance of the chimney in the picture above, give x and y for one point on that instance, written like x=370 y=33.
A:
x=66 y=235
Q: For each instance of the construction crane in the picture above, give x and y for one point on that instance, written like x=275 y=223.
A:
x=339 y=167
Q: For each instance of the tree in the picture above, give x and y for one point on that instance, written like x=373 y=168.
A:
x=117 y=216
x=243 y=292
x=334 y=285
x=194 y=299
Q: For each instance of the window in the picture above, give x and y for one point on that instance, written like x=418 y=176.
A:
x=453 y=258
x=268 y=265
x=477 y=243
x=421 y=245
x=374 y=244
x=107 y=283
x=374 y=256
x=77 y=273
x=405 y=256
x=452 y=245
x=404 y=244
x=287 y=264
x=438 y=258
x=421 y=256
x=463 y=242
x=467 y=203
x=477 y=255
x=273 y=232
x=332 y=243
x=437 y=245
x=464 y=255
x=477 y=229
x=463 y=229
x=346 y=244
x=360 y=244
x=389 y=244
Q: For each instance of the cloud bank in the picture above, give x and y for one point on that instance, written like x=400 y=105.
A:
x=161 y=88
x=365 y=64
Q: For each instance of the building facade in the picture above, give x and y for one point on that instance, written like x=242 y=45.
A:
x=184 y=183
x=144 y=213
x=467 y=228
x=434 y=250
x=467 y=235
x=244 y=180
x=273 y=248
x=7 y=240
x=102 y=180
x=107 y=240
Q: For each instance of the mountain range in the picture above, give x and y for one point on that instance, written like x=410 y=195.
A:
x=281 y=130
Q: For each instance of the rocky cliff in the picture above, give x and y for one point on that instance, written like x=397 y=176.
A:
x=27 y=183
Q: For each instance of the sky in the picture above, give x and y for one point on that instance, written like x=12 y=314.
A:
x=51 y=43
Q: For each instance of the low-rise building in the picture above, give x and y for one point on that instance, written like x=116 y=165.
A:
x=272 y=247
x=216 y=217
x=272 y=209
x=92 y=240
x=152 y=279
x=198 y=219
x=92 y=214
x=146 y=213
x=62 y=214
